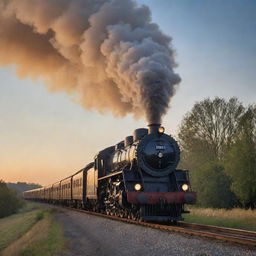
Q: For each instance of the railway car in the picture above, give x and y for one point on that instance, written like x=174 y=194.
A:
x=34 y=194
x=66 y=190
x=136 y=178
x=48 y=193
x=56 y=191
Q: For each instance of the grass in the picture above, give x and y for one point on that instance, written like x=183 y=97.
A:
x=51 y=244
x=235 y=218
x=32 y=232
x=14 y=226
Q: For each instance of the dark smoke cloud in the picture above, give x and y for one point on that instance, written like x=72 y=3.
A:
x=106 y=52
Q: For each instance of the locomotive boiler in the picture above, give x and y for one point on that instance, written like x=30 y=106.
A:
x=137 y=178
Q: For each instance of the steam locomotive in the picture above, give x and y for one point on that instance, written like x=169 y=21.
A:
x=137 y=178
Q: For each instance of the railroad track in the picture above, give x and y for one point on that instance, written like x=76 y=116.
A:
x=237 y=236
x=227 y=234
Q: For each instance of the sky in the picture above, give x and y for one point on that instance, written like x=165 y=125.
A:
x=45 y=137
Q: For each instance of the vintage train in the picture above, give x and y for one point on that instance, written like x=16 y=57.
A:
x=137 y=178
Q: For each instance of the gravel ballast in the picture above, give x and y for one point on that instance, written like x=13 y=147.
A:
x=89 y=235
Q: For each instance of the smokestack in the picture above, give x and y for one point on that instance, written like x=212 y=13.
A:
x=153 y=128
x=108 y=53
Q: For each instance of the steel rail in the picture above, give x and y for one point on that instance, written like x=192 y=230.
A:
x=240 y=232
x=237 y=236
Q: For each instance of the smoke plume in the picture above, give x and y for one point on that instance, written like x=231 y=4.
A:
x=106 y=52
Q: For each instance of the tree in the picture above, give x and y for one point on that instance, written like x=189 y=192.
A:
x=205 y=135
x=207 y=131
x=240 y=162
x=9 y=202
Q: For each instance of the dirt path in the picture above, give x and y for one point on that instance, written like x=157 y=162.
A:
x=89 y=235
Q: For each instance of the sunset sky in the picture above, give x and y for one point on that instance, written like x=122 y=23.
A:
x=47 y=136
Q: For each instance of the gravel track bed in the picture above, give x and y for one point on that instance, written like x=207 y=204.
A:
x=89 y=235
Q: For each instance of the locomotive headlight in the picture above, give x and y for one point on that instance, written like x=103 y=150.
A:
x=160 y=154
x=161 y=129
x=137 y=187
x=184 y=187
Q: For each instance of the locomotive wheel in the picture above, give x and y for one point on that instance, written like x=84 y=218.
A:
x=125 y=213
x=129 y=215
x=121 y=213
x=134 y=216
x=137 y=217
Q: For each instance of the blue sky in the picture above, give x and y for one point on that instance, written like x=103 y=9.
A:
x=46 y=136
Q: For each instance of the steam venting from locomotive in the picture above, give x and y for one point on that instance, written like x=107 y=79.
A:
x=107 y=53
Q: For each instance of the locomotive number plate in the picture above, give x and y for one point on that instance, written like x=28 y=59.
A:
x=160 y=147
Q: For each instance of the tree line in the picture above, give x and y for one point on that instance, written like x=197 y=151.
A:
x=20 y=187
x=218 y=144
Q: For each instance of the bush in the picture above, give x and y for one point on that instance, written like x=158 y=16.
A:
x=9 y=201
x=40 y=215
x=213 y=187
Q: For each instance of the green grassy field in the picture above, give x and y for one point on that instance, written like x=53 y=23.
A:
x=235 y=218
x=31 y=232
